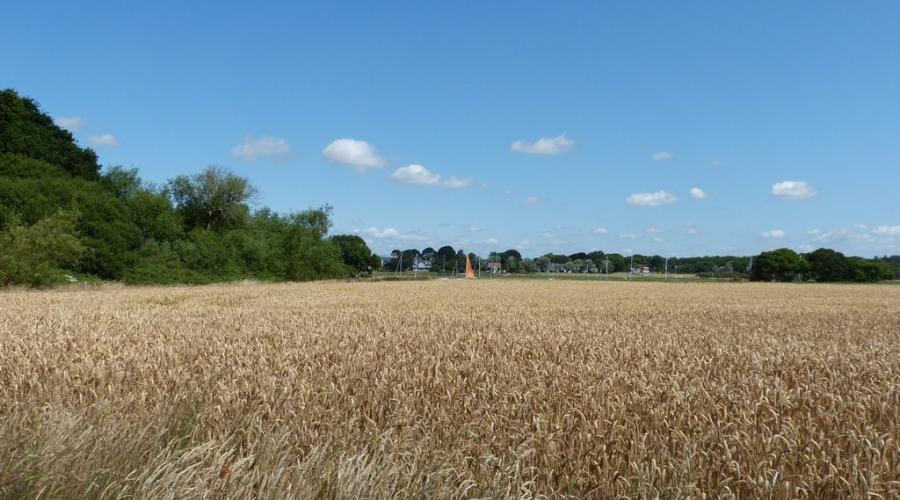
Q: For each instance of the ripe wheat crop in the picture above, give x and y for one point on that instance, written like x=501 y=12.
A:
x=451 y=389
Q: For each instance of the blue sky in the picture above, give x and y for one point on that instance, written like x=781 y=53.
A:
x=540 y=126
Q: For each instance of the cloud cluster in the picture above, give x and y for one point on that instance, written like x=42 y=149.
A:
x=888 y=230
x=651 y=199
x=252 y=148
x=417 y=174
x=544 y=145
x=795 y=190
x=662 y=156
x=774 y=234
x=600 y=231
x=358 y=155
x=532 y=200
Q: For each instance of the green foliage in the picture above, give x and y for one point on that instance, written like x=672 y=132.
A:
x=782 y=264
x=27 y=131
x=214 y=199
x=35 y=255
x=355 y=254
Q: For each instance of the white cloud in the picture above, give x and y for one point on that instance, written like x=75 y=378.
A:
x=698 y=194
x=456 y=182
x=390 y=234
x=658 y=239
x=628 y=236
x=544 y=145
x=651 y=199
x=252 y=148
x=796 y=190
x=71 y=123
x=717 y=163
x=474 y=229
x=358 y=155
x=662 y=156
x=532 y=200
x=492 y=241
x=653 y=229
x=600 y=230
x=103 y=140
x=691 y=230
x=417 y=174
x=888 y=230
x=776 y=234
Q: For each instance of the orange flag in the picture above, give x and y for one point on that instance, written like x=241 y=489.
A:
x=470 y=275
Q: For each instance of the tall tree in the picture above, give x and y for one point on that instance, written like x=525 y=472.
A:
x=214 y=199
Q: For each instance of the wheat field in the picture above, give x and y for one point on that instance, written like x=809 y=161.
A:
x=451 y=389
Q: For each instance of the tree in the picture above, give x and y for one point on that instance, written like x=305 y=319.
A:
x=355 y=254
x=444 y=259
x=26 y=130
x=782 y=264
x=828 y=265
x=214 y=199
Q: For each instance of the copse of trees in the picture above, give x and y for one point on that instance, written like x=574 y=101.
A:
x=62 y=218
x=822 y=265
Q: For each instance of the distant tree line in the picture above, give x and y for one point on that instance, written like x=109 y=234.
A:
x=63 y=218
x=822 y=265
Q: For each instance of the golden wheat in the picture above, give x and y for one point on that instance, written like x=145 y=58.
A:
x=451 y=389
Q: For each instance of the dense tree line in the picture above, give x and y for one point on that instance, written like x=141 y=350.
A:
x=63 y=218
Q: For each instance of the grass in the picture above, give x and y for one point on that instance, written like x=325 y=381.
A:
x=451 y=389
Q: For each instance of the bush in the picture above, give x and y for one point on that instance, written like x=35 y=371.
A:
x=35 y=255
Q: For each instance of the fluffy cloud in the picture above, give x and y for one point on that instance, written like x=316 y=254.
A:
x=662 y=156
x=532 y=200
x=492 y=241
x=417 y=174
x=796 y=190
x=775 y=234
x=628 y=236
x=887 y=230
x=651 y=199
x=71 y=123
x=252 y=148
x=698 y=194
x=389 y=233
x=600 y=230
x=103 y=140
x=544 y=145
x=358 y=155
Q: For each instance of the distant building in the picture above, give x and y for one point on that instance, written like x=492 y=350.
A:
x=494 y=267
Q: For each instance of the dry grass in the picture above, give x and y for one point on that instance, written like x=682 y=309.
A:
x=451 y=389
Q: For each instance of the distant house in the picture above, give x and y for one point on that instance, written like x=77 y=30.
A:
x=493 y=267
x=423 y=265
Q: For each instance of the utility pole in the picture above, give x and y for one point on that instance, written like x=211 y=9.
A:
x=667 y=268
